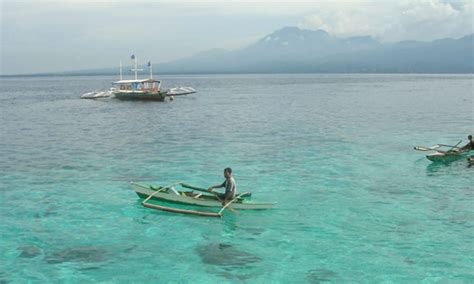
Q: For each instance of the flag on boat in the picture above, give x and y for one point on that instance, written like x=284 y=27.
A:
x=133 y=56
x=149 y=63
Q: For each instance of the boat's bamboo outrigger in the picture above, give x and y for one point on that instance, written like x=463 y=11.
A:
x=169 y=194
x=182 y=211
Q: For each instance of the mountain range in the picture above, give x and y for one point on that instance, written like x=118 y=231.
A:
x=295 y=50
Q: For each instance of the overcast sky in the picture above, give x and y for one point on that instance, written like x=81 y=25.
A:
x=47 y=36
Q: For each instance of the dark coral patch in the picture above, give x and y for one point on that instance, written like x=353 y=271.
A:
x=225 y=255
x=321 y=276
x=29 y=251
x=79 y=254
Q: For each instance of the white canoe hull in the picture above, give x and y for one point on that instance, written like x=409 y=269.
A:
x=145 y=191
x=446 y=157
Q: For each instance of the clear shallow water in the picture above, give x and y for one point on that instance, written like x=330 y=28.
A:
x=355 y=202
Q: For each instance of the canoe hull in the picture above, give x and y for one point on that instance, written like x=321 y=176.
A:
x=446 y=157
x=144 y=191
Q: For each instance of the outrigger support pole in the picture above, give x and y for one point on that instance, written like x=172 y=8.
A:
x=159 y=190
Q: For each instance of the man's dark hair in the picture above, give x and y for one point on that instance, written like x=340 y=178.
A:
x=469 y=137
x=229 y=170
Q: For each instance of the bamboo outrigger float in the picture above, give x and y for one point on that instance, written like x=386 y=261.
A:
x=187 y=196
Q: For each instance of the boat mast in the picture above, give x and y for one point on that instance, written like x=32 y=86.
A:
x=151 y=69
x=134 y=57
x=120 y=70
x=136 y=68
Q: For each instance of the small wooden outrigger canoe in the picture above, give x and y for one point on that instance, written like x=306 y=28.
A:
x=188 y=196
x=444 y=153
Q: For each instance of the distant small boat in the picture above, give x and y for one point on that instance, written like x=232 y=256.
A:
x=449 y=154
x=187 y=196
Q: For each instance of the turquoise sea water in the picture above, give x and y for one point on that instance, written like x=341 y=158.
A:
x=356 y=203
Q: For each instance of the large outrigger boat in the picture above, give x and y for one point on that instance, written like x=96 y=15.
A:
x=139 y=89
x=193 y=196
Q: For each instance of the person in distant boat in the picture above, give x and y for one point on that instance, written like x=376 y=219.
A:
x=230 y=187
x=469 y=146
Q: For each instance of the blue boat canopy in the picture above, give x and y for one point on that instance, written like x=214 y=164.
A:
x=137 y=81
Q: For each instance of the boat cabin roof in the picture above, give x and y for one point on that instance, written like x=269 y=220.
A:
x=136 y=81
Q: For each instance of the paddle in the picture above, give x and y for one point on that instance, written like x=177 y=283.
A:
x=220 y=200
x=455 y=146
x=451 y=150
x=228 y=203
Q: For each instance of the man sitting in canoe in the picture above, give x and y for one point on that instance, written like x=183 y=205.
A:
x=469 y=146
x=230 y=187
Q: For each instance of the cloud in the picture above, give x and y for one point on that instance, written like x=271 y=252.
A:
x=395 y=21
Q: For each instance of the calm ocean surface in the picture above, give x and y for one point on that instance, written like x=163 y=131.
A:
x=356 y=203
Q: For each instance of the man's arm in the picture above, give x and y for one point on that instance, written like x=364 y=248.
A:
x=216 y=186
